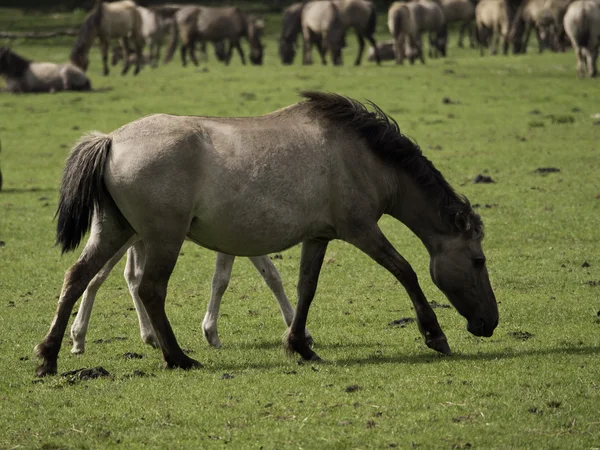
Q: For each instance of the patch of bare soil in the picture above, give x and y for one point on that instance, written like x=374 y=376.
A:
x=84 y=374
x=520 y=335
x=402 y=322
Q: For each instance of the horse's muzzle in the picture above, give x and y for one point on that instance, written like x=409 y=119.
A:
x=481 y=327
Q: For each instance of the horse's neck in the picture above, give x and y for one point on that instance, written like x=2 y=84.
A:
x=415 y=208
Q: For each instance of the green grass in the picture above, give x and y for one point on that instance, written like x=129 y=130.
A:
x=508 y=116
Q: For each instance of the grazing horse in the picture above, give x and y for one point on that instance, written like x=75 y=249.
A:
x=291 y=26
x=362 y=16
x=23 y=75
x=325 y=168
x=582 y=25
x=119 y=20
x=323 y=25
x=492 y=25
x=407 y=22
x=133 y=275
x=462 y=11
x=200 y=23
x=533 y=14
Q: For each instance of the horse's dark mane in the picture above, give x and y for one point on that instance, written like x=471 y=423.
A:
x=11 y=64
x=383 y=135
x=87 y=31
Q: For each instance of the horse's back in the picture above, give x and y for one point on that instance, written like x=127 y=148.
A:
x=458 y=10
x=582 y=23
x=121 y=19
x=220 y=23
x=224 y=176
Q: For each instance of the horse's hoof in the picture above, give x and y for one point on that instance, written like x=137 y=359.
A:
x=46 y=369
x=184 y=363
x=311 y=356
x=439 y=344
x=309 y=340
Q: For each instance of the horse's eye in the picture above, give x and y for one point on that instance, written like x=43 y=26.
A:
x=479 y=261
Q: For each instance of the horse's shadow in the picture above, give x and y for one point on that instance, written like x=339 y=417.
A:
x=423 y=358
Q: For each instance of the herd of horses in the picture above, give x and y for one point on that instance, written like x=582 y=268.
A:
x=320 y=23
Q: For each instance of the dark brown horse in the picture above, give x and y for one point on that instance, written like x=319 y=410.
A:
x=323 y=169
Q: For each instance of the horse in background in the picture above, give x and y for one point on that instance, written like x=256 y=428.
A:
x=493 y=25
x=462 y=11
x=582 y=26
x=23 y=75
x=199 y=23
x=119 y=20
x=362 y=17
x=291 y=27
x=323 y=26
x=533 y=15
x=385 y=50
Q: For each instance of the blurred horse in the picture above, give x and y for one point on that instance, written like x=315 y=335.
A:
x=119 y=20
x=323 y=26
x=362 y=17
x=199 y=23
x=462 y=11
x=23 y=75
x=582 y=25
x=385 y=50
x=533 y=15
x=291 y=27
x=492 y=25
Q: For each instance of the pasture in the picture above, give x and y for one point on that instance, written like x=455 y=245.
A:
x=534 y=384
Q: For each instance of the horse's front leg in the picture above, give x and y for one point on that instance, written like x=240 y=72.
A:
x=125 y=47
x=192 y=49
x=376 y=245
x=269 y=272
x=82 y=320
x=240 y=51
x=311 y=260
x=139 y=44
x=134 y=271
x=220 y=281
x=229 y=53
x=321 y=49
x=104 y=52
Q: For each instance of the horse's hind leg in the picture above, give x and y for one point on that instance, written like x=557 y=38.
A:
x=192 y=49
x=139 y=43
x=240 y=52
x=220 y=281
x=104 y=52
x=269 y=272
x=82 y=321
x=107 y=237
x=376 y=245
x=126 y=64
x=361 y=49
x=311 y=261
x=161 y=256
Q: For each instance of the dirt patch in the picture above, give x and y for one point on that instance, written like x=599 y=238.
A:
x=138 y=374
x=402 y=322
x=485 y=205
x=74 y=376
x=449 y=101
x=467 y=418
x=535 y=112
x=109 y=340
x=131 y=355
x=520 y=335
x=593 y=283
x=585 y=264
x=227 y=376
x=483 y=179
x=554 y=404
x=545 y=170
x=352 y=388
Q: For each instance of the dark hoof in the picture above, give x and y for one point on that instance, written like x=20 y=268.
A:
x=46 y=369
x=439 y=344
x=184 y=363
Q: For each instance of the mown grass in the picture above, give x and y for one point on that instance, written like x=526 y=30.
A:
x=534 y=384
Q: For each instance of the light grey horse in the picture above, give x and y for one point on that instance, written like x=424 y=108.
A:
x=323 y=26
x=493 y=25
x=325 y=168
x=582 y=25
x=133 y=275
x=362 y=17
x=23 y=75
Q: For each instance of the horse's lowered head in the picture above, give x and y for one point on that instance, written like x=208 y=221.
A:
x=458 y=269
x=335 y=39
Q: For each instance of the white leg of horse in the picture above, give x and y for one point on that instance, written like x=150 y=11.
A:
x=220 y=281
x=267 y=269
x=134 y=270
x=82 y=321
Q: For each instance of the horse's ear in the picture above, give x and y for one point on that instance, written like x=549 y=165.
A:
x=462 y=222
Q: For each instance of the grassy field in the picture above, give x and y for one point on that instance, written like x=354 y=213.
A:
x=534 y=384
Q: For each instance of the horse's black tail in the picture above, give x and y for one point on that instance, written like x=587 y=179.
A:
x=582 y=35
x=82 y=188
